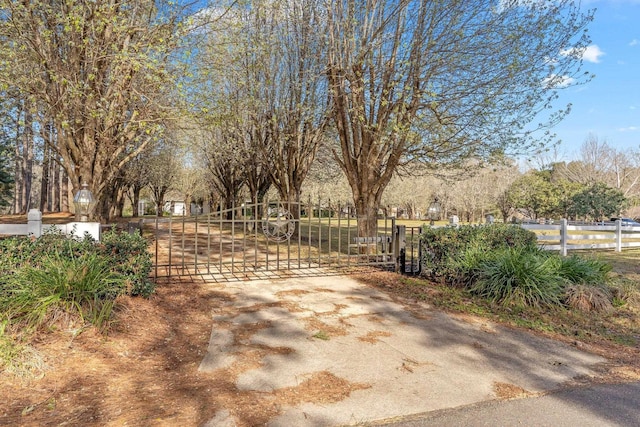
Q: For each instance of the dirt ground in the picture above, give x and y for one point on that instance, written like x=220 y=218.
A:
x=145 y=371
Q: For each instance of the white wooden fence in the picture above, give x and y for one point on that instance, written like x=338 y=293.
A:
x=36 y=228
x=564 y=237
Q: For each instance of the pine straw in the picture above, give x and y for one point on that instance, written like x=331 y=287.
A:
x=145 y=371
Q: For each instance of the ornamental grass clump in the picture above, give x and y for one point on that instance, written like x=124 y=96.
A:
x=588 y=298
x=587 y=283
x=578 y=270
x=78 y=289
x=520 y=276
x=60 y=279
x=467 y=267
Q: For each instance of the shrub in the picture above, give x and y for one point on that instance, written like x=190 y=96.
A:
x=445 y=249
x=127 y=253
x=21 y=250
x=130 y=258
x=588 y=298
x=520 y=276
x=467 y=267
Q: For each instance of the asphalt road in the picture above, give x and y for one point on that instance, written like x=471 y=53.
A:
x=598 y=405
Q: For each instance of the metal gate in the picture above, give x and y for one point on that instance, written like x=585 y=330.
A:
x=269 y=239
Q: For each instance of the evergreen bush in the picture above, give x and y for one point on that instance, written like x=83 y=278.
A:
x=504 y=264
x=444 y=250
x=130 y=258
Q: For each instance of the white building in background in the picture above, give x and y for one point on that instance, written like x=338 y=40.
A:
x=172 y=207
x=175 y=207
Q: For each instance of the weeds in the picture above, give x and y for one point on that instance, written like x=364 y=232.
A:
x=18 y=359
x=322 y=335
x=625 y=291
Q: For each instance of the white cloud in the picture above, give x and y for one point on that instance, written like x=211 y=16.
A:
x=591 y=53
x=634 y=42
x=628 y=129
x=556 y=81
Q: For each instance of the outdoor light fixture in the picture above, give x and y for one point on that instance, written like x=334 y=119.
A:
x=83 y=202
x=434 y=211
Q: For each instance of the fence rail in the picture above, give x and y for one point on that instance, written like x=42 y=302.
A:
x=564 y=237
x=36 y=228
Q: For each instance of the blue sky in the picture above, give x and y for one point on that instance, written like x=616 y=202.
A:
x=609 y=105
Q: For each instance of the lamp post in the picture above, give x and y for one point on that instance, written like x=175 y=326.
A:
x=83 y=201
x=434 y=211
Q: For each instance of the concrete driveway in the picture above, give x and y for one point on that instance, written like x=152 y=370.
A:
x=395 y=359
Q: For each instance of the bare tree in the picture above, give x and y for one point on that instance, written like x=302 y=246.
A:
x=326 y=182
x=161 y=167
x=224 y=159
x=599 y=162
x=274 y=76
x=298 y=115
x=97 y=71
x=440 y=82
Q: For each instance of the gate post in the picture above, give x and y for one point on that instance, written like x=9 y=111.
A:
x=34 y=222
x=399 y=247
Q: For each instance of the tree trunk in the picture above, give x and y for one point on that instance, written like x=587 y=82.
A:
x=64 y=191
x=367 y=215
x=229 y=203
x=158 y=198
x=55 y=189
x=120 y=198
x=187 y=204
x=17 y=173
x=27 y=160
x=135 y=200
x=45 y=202
x=291 y=200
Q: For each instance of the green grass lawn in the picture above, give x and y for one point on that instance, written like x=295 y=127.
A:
x=626 y=263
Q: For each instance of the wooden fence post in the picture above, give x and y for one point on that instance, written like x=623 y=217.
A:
x=564 y=237
x=618 y=235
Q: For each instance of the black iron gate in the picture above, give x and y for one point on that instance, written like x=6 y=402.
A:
x=259 y=240
x=409 y=259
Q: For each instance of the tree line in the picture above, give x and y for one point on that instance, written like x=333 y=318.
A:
x=585 y=188
x=250 y=95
